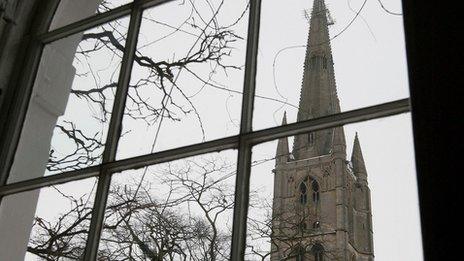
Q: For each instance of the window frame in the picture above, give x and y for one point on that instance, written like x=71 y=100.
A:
x=243 y=142
x=303 y=194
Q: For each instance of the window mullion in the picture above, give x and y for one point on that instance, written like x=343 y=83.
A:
x=256 y=137
x=114 y=130
x=242 y=185
x=330 y=121
x=85 y=24
x=94 y=21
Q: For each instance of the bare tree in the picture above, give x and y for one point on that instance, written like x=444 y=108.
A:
x=155 y=95
x=180 y=213
x=286 y=234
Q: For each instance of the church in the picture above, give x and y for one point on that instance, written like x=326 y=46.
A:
x=321 y=204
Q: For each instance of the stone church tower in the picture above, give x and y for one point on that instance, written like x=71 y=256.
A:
x=321 y=205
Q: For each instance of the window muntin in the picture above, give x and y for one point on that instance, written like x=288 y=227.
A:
x=70 y=11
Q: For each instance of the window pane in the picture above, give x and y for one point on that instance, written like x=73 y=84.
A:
x=187 y=78
x=71 y=103
x=365 y=184
x=180 y=210
x=47 y=224
x=70 y=11
x=363 y=64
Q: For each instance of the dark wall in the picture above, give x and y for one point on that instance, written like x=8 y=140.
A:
x=435 y=68
x=20 y=22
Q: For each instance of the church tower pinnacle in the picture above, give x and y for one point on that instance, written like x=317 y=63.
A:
x=282 y=154
x=357 y=160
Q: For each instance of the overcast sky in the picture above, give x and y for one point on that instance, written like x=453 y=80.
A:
x=370 y=68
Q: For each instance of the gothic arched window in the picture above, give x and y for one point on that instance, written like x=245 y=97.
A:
x=313 y=62
x=324 y=62
x=315 y=188
x=318 y=252
x=299 y=253
x=303 y=193
x=311 y=138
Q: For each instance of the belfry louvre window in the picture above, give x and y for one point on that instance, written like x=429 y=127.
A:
x=318 y=252
x=311 y=138
x=303 y=193
x=153 y=131
x=315 y=190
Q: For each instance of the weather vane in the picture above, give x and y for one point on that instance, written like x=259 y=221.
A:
x=330 y=20
x=306 y=15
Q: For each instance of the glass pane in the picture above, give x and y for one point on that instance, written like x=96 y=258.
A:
x=187 y=78
x=71 y=103
x=70 y=11
x=180 y=210
x=47 y=224
x=354 y=196
x=351 y=62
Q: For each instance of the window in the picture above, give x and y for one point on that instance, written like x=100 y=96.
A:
x=318 y=252
x=315 y=188
x=299 y=253
x=311 y=138
x=303 y=193
x=109 y=80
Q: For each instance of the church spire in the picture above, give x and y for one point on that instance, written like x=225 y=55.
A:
x=318 y=91
x=282 y=153
x=357 y=159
